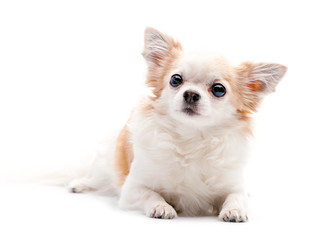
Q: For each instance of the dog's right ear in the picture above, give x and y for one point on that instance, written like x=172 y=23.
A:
x=257 y=80
x=158 y=47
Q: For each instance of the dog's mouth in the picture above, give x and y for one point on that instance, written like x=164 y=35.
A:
x=191 y=111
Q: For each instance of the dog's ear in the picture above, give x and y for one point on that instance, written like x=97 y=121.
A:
x=158 y=47
x=258 y=79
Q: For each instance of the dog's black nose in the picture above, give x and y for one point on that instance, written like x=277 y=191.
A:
x=191 y=97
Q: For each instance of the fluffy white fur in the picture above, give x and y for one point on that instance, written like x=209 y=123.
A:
x=185 y=164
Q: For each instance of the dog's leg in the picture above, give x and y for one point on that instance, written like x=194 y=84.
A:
x=96 y=182
x=144 y=199
x=98 y=178
x=95 y=176
x=234 y=208
x=81 y=185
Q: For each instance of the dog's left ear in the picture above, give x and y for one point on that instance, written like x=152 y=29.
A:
x=257 y=80
x=158 y=47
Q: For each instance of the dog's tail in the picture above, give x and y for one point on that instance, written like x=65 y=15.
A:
x=58 y=176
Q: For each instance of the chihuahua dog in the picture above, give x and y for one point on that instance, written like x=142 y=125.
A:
x=183 y=149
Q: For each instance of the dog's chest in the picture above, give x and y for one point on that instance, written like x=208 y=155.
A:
x=187 y=160
x=191 y=169
x=194 y=172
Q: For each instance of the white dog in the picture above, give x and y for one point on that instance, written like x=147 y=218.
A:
x=184 y=149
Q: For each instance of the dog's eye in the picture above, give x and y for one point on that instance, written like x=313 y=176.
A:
x=176 y=80
x=218 y=90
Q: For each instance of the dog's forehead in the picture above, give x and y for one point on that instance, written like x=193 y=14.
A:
x=198 y=67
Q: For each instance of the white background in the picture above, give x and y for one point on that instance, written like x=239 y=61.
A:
x=70 y=71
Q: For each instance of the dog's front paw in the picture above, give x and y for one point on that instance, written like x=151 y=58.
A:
x=162 y=210
x=233 y=215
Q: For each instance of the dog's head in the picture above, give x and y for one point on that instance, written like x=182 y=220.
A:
x=204 y=90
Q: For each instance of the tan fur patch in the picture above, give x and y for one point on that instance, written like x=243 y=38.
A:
x=156 y=74
x=244 y=113
x=123 y=156
x=250 y=99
